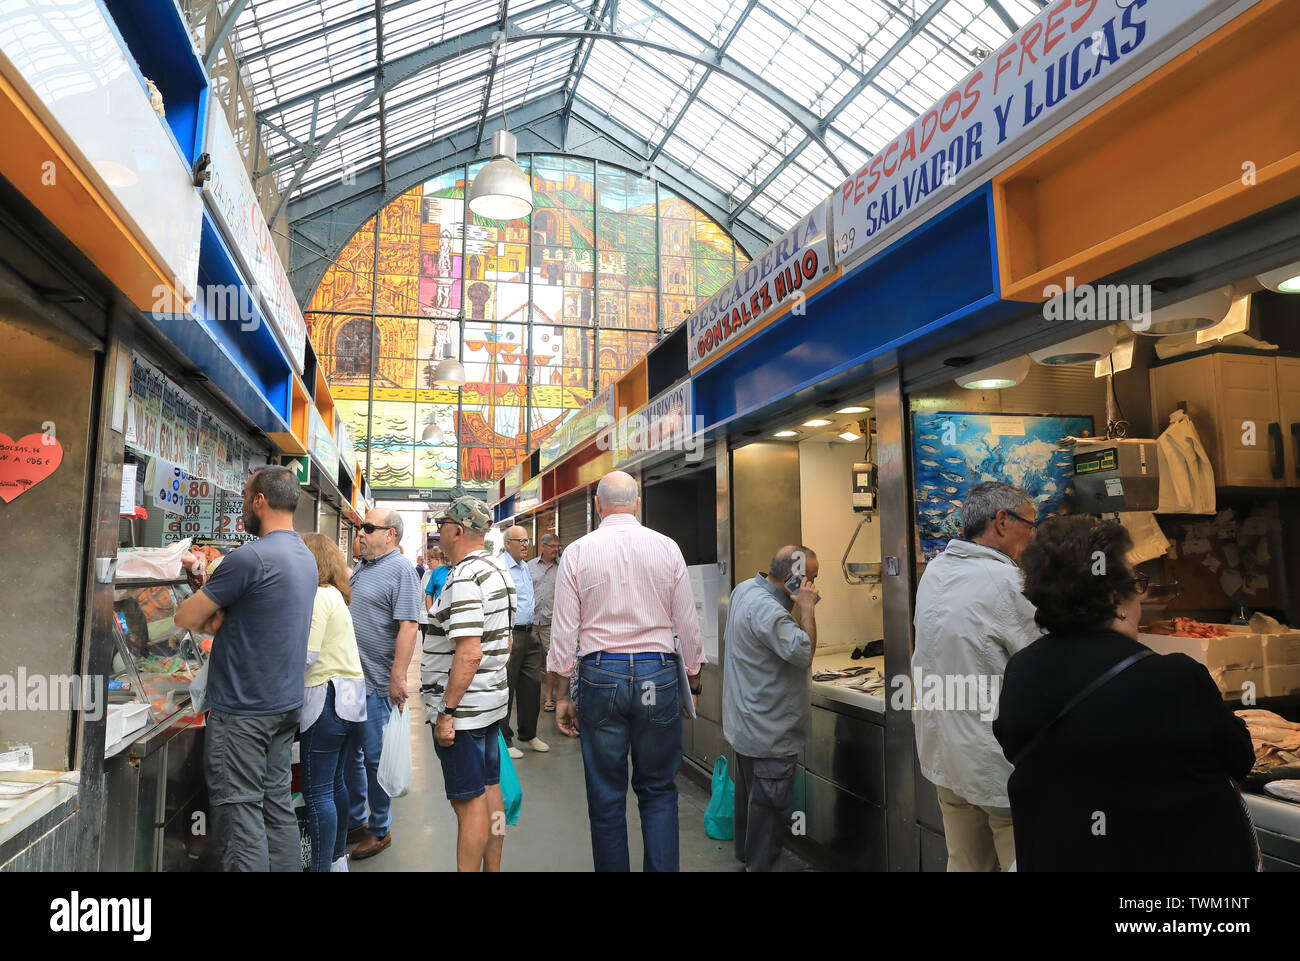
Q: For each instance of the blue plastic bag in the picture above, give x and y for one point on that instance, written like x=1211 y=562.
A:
x=719 y=816
x=511 y=791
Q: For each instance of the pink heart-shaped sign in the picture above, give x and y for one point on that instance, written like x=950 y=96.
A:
x=26 y=462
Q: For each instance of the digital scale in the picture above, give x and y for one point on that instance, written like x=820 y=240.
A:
x=1116 y=474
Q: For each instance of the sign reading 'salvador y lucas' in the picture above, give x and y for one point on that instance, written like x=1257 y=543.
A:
x=774 y=279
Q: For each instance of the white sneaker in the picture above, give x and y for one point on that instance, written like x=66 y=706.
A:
x=340 y=864
x=538 y=745
x=514 y=752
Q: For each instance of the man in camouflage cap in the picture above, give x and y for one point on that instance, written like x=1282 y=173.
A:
x=464 y=684
x=470 y=513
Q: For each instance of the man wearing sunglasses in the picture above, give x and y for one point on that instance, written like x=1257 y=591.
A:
x=385 y=608
x=971 y=616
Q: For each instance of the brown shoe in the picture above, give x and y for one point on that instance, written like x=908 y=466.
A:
x=371 y=846
x=357 y=834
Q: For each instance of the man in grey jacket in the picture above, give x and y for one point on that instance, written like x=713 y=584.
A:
x=765 y=709
x=971 y=616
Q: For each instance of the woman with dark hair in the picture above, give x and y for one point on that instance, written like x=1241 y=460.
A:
x=333 y=709
x=1124 y=760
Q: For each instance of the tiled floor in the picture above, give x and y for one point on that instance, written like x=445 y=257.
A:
x=552 y=833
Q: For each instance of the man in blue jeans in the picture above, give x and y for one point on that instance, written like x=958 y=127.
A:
x=385 y=609
x=621 y=595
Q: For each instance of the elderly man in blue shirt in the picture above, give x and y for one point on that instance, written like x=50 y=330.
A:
x=524 y=671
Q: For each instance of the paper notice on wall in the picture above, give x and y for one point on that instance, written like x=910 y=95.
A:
x=1194 y=544
x=1007 y=426
x=1231 y=555
x=1212 y=563
x=1231 y=581
x=1257 y=582
x=128 y=489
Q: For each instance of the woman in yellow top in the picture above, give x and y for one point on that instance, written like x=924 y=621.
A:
x=334 y=707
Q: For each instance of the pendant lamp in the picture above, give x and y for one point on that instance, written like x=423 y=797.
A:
x=450 y=373
x=501 y=190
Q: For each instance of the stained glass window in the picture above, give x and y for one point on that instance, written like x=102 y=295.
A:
x=541 y=311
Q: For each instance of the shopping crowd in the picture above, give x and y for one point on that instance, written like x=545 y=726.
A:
x=1100 y=757
x=305 y=648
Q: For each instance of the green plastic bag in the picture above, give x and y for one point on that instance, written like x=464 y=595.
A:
x=511 y=791
x=719 y=816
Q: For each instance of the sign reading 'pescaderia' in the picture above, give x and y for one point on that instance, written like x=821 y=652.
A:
x=774 y=279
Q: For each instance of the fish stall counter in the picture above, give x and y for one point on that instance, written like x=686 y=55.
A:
x=840 y=778
x=1277 y=824
x=861 y=682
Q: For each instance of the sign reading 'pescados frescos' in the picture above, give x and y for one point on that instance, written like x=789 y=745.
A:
x=1060 y=64
x=774 y=279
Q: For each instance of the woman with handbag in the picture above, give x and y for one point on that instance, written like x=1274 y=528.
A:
x=1124 y=760
x=334 y=709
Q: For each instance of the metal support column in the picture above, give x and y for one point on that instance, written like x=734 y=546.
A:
x=898 y=591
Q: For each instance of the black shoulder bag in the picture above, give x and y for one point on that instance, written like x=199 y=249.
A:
x=1074 y=702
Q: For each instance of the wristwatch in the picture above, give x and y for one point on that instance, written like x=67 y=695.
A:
x=449 y=711
x=698 y=687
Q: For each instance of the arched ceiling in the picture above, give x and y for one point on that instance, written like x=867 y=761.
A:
x=753 y=109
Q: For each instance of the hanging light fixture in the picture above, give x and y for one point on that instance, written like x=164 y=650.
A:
x=502 y=191
x=432 y=432
x=1009 y=373
x=450 y=372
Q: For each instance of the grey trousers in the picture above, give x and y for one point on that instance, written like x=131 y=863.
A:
x=524 y=674
x=247 y=766
x=764 y=792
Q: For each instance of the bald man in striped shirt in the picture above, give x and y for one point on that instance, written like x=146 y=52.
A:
x=622 y=596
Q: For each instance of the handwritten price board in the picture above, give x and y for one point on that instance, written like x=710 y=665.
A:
x=26 y=462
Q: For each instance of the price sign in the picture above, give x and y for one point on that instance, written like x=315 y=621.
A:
x=196 y=521
x=228 y=524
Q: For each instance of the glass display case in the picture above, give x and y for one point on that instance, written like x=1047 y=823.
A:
x=155 y=661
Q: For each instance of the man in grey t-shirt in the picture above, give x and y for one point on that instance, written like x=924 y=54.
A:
x=385 y=608
x=765 y=709
x=258 y=603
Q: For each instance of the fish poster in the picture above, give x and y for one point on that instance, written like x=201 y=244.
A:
x=954 y=451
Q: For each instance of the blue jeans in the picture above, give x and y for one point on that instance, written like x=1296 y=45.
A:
x=323 y=749
x=631 y=707
x=362 y=774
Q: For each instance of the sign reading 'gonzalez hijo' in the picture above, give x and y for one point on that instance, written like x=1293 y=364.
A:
x=762 y=290
x=1061 y=61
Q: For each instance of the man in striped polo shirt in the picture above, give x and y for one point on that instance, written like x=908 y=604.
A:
x=464 y=682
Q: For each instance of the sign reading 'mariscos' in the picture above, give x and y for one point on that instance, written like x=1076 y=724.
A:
x=772 y=282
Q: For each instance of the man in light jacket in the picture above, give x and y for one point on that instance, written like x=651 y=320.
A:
x=970 y=618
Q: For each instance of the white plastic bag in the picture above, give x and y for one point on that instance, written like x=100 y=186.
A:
x=153 y=563
x=1186 y=477
x=395 y=770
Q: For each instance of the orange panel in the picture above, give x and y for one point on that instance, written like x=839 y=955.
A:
x=74 y=204
x=1162 y=163
x=295 y=443
x=632 y=388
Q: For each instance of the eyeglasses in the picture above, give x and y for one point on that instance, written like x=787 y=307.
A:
x=371 y=528
x=448 y=520
x=1140 y=583
x=517 y=540
x=1023 y=520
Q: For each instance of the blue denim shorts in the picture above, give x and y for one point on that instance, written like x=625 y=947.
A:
x=471 y=763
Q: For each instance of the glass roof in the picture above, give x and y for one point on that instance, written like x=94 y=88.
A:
x=725 y=89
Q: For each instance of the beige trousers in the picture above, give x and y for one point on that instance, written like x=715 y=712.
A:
x=979 y=838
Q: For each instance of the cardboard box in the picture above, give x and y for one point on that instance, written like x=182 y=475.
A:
x=1282 y=681
x=1281 y=650
x=1236 y=652
x=1233 y=683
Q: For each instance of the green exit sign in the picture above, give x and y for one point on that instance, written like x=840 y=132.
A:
x=300 y=467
